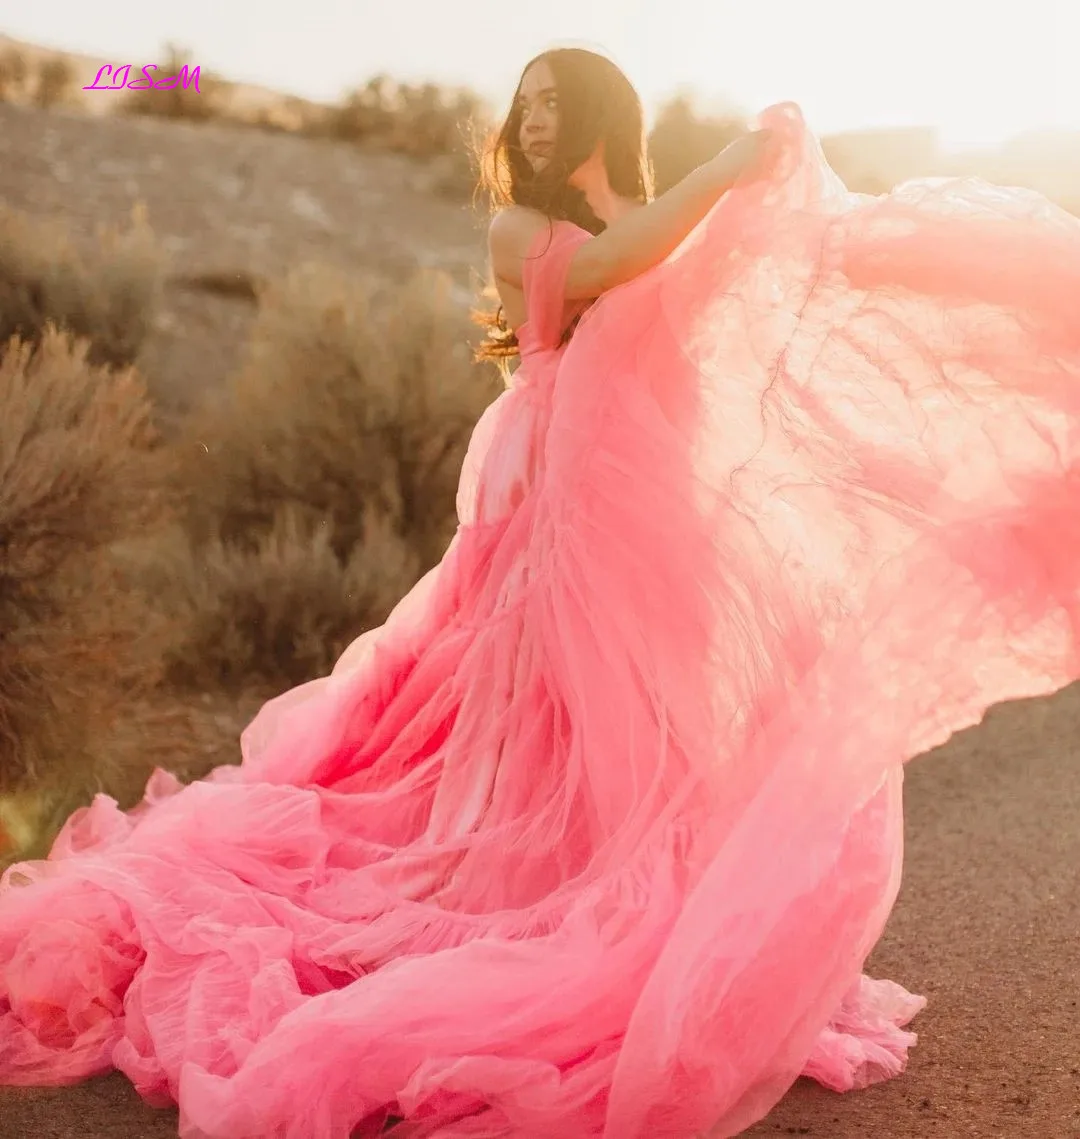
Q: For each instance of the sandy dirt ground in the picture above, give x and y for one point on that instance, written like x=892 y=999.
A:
x=987 y=927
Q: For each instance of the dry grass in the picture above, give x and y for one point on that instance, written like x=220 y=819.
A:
x=106 y=295
x=80 y=467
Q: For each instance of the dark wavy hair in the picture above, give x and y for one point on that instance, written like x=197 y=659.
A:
x=597 y=103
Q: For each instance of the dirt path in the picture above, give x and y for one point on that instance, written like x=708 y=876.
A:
x=987 y=926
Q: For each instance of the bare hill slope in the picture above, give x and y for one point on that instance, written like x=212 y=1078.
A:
x=231 y=201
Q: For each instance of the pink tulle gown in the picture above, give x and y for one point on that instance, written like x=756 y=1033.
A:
x=593 y=837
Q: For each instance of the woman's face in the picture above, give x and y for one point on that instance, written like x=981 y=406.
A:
x=539 y=114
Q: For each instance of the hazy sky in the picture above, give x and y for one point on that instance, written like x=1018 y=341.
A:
x=980 y=70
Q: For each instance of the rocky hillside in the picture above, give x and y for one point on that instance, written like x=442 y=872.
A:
x=231 y=207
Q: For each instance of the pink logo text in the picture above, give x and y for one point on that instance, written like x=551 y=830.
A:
x=110 y=79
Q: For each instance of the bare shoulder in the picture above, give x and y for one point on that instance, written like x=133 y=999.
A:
x=516 y=223
x=510 y=233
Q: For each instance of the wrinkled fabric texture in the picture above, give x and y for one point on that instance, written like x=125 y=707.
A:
x=593 y=837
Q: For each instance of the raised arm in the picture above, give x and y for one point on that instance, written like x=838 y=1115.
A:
x=636 y=241
x=642 y=238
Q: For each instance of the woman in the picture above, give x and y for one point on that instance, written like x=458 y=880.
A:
x=593 y=837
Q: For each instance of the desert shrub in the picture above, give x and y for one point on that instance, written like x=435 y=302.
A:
x=51 y=83
x=55 y=85
x=84 y=701
x=431 y=119
x=320 y=484
x=424 y=120
x=106 y=296
x=275 y=612
x=355 y=399
x=76 y=454
x=366 y=114
x=682 y=140
x=14 y=75
x=198 y=100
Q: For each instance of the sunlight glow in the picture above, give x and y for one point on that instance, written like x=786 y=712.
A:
x=979 y=71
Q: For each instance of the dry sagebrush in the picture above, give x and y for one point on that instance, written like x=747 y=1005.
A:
x=55 y=85
x=424 y=119
x=106 y=295
x=356 y=401
x=320 y=484
x=48 y=83
x=15 y=75
x=77 y=456
x=203 y=98
x=261 y=617
x=82 y=703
